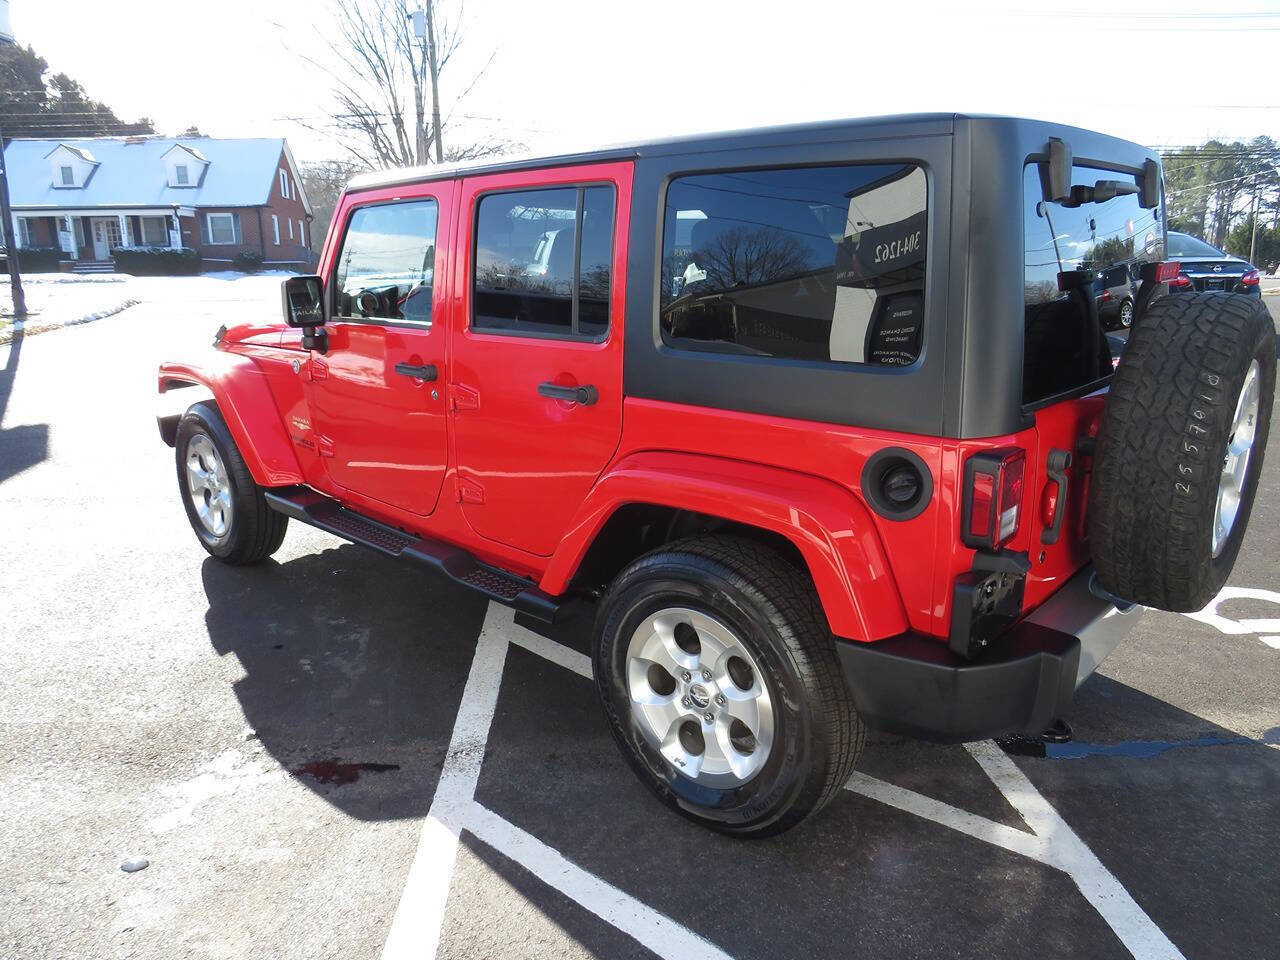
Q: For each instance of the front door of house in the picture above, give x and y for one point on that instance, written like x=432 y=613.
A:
x=106 y=237
x=377 y=395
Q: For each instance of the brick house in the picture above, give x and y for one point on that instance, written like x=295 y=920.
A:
x=218 y=197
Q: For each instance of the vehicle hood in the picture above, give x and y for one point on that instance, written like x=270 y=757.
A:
x=255 y=334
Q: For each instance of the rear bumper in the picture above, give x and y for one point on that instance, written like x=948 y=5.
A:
x=916 y=686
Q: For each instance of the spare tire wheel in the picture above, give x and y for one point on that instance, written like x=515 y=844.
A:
x=1180 y=449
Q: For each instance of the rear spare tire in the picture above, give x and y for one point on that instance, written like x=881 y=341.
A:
x=1180 y=449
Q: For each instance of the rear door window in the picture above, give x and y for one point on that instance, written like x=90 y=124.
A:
x=543 y=262
x=808 y=263
x=1110 y=241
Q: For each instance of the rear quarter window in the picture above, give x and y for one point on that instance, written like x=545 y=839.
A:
x=809 y=263
x=1066 y=348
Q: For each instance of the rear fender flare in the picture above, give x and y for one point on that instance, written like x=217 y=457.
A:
x=243 y=395
x=831 y=528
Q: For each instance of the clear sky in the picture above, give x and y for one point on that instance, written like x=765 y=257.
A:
x=575 y=74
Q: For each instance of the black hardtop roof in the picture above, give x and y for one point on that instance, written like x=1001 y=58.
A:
x=864 y=128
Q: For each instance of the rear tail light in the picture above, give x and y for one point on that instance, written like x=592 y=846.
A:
x=1106 y=296
x=1168 y=271
x=1250 y=279
x=992 y=509
x=1181 y=280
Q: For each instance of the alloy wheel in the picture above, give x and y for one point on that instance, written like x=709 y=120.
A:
x=208 y=486
x=699 y=698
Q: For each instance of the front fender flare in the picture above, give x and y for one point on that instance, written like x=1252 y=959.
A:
x=243 y=395
x=831 y=528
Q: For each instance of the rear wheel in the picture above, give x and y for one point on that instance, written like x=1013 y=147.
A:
x=1180 y=449
x=225 y=506
x=719 y=678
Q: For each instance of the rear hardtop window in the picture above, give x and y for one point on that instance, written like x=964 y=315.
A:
x=1072 y=254
x=808 y=263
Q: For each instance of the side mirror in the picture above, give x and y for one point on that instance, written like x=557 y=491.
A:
x=303 y=301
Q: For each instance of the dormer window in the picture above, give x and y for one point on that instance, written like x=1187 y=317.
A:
x=185 y=166
x=70 y=167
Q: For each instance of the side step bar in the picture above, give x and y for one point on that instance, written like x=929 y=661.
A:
x=301 y=503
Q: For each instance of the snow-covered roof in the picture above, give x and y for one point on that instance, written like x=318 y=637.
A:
x=189 y=149
x=78 y=151
x=131 y=172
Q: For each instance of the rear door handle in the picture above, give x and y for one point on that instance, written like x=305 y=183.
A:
x=425 y=372
x=581 y=395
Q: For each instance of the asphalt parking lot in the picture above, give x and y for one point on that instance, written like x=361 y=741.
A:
x=333 y=755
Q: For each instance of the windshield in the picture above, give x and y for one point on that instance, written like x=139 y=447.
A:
x=1185 y=245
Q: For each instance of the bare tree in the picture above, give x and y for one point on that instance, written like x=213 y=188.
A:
x=388 y=58
x=743 y=257
x=324 y=183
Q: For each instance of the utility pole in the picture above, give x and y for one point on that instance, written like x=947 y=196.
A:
x=424 y=29
x=10 y=242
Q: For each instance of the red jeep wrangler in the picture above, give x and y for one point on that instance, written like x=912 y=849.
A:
x=822 y=419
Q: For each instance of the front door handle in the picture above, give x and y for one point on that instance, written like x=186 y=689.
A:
x=581 y=395
x=425 y=372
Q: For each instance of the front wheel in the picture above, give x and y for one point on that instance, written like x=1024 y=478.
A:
x=1126 y=314
x=227 y=509
x=720 y=681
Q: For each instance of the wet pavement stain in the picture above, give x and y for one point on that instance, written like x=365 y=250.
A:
x=338 y=773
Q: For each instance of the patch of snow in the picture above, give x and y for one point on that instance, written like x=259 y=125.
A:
x=42 y=278
x=226 y=774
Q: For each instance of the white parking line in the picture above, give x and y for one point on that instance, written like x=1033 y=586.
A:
x=659 y=933
x=415 y=929
x=1069 y=854
x=419 y=919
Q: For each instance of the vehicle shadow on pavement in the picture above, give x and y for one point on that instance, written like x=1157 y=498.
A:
x=23 y=446
x=353 y=658
x=353 y=665
x=847 y=876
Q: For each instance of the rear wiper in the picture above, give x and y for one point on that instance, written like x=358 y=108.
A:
x=1100 y=192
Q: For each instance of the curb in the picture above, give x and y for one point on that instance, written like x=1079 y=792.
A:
x=30 y=328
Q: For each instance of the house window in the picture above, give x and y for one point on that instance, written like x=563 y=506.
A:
x=290 y=229
x=284 y=184
x=302 y=237
x=68 y=176
x=155 y=232
x=221 y=228
x=180 y=176
x=26 y=236
x=275 y=228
